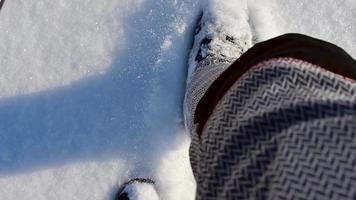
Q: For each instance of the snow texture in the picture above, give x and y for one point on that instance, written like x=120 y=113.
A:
x=91 y=91
x=220 y=20
x=141 y=191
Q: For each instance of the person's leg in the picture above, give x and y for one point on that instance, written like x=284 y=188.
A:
x=279 y=123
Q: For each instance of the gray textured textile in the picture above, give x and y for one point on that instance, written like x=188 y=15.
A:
x=204 y=75
x=285 y=130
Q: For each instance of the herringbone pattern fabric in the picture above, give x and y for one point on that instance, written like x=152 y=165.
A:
x=285 y=130
x=204 y=75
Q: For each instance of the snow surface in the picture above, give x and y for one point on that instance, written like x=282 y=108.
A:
x=138 y=191
x=91 y=91
x=219 y=20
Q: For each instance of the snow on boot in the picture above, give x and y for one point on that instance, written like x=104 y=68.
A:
x=222 y=34
x=138 y=189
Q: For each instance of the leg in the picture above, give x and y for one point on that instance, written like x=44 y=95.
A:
x=279 y=123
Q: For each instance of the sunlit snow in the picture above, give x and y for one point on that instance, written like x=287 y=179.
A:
x=91 y=91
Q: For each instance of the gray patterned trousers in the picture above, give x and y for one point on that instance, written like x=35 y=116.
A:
x=279 y=123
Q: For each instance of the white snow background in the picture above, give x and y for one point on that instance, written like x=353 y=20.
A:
x=91 y=91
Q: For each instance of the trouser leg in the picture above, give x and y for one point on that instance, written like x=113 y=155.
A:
x=280 y=123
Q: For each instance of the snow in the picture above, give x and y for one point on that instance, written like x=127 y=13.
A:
x=221 y=19
x=328 y=20
x=101 y=106
x=91 y=91
x=141 y=191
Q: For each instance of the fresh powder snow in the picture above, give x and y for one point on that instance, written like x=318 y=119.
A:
x=91 y=91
